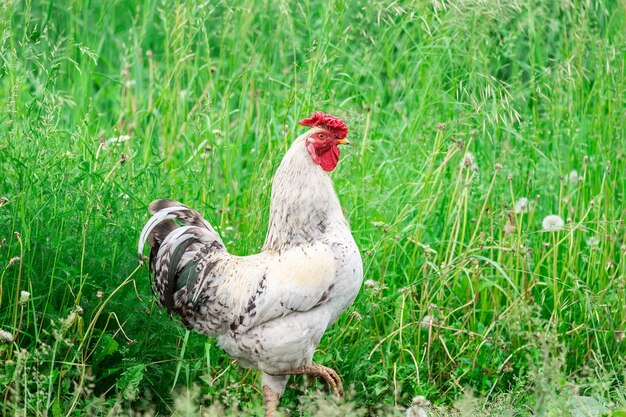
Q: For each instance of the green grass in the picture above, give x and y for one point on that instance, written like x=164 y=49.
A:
x=456 y=110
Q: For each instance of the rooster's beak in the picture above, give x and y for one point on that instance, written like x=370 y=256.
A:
x=343 y=141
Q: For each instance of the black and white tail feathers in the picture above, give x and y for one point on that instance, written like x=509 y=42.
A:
x=178 y=236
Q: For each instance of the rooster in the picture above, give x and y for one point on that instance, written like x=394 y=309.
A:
x=268 y=311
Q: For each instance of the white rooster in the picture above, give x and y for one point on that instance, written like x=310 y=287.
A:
x=269 y=310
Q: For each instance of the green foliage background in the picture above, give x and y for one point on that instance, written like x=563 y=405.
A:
x=456 y=110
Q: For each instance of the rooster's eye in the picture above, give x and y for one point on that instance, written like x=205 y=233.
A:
x=321 y=136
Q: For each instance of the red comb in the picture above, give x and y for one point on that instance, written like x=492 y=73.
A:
x=331 y=123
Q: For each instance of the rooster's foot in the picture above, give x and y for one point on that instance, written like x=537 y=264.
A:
x=329 y=376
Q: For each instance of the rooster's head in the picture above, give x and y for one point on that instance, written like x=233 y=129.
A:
x=329 y=131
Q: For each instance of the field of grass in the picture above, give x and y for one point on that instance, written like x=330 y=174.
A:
x=458 y=110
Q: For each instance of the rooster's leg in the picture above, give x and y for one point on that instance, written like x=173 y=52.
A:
x=327 y=374
x=270 y=400
x=273 y=387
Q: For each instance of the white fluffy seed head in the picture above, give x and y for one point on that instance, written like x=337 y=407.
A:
x=427 y=322
x=24 y=296
x=509 y=227
x=418 y=408
x=573 y=178
x=521 y=205
x=552 y=223
x=469 y=162
x=5 y=337
x=592 y=241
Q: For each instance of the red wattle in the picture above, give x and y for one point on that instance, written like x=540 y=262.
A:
x=329 y=159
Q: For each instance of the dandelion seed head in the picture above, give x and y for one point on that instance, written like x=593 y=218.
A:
x=552 y=223
x=509 y=227
x=521 y=205
x=592 y=241
x=6 y=337
x=24 y=296
x=427 y=322
x=418 y=407
x=420 y=401
x=573 y=178
x=469 y=162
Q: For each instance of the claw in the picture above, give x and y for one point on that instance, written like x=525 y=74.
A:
x=327 y=374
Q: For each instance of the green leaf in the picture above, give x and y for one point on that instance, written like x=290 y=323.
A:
x=56 y=409
x=130 y=380
x=107 y=346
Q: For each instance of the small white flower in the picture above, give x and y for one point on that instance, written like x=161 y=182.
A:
x=24 y=296
x=552 y=223
x=521 y=205
x=418 y=408
x=593 y=241
x=5 y=337
x=427 y=322
x=573 y=178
